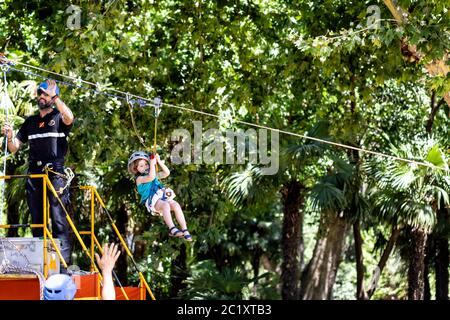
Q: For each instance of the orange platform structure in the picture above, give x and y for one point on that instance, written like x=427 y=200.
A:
x=29 y=285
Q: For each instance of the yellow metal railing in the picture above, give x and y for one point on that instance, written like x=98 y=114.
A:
x=46 y=232
x=95 y=196
x=93 y=239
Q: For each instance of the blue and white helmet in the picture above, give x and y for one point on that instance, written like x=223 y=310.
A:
x=44 y=86
x=136 y=156
x=59 y=287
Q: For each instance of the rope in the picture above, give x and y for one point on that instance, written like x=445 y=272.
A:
x=7 y=267
x=154 y=143
x=157 y=111
x=69 y=175
x=6 y=106
x=145 y=101
x=130 y=106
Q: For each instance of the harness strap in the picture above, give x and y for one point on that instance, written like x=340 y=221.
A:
x=68 y=175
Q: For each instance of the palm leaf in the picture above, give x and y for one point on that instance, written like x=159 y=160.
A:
x=326 y=196
x=436 y=157
x=243 y=185
x=403 y=176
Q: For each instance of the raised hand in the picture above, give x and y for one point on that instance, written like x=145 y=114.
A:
x=51 y=90
x=109 y=257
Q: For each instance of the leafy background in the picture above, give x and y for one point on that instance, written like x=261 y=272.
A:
x=319 y=227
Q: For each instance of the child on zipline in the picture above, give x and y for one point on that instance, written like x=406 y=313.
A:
x=158 y=200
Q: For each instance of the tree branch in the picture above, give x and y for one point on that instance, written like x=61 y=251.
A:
x=396 y=11
x=433 y=112
x=435 y=67
x=384 y=257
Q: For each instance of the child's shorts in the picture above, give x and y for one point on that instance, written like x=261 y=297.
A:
x=165 y=194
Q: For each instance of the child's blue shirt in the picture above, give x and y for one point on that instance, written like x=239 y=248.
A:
x=148 y=189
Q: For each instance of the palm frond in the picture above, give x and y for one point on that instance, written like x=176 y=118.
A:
x=241 y=185
x=310 y=148
x=403 y=176
x=326 y=196
x=436 y=157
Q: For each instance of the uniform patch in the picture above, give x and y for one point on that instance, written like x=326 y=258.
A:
x=41 y=124
x=51 y=123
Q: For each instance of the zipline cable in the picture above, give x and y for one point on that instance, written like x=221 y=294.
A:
x=312 y=138
x=141 y=99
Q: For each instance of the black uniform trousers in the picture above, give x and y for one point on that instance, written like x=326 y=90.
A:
x=60 y=226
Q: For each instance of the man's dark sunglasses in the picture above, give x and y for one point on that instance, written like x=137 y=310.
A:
x=40 y=91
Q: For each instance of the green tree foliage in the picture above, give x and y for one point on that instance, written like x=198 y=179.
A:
x=325 y=69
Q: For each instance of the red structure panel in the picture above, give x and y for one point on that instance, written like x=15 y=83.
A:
x=19 y=287
x=26 y=287
x=133 y=293
x=87 y=285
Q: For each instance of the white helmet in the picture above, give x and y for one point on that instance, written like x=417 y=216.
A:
x=59 y=287
x=136 y=156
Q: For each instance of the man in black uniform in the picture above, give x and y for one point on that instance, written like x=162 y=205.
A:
x=46 y=133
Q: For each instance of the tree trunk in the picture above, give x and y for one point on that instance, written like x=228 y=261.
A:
x=442 y=256
x=360 y=292
x=441 y=268
x=256 y=261
x=430 y=253
x=122 y=262
x=178 y=271
x=292 y=195
x=320 y=274
x=434 y=109
x=416 y=265
x=438 y=240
